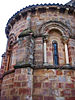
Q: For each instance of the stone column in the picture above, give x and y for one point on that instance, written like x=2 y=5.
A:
x=45 y=59
x=45 y=52
x=65 y=39
x=66 y=53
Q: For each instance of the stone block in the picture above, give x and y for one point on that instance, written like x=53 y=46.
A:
x=69 y=85
x=17 y=71
x=62 y=78
x=73 y=92
x=37 y=97
x=22 y=77
x=17 y=84
x=45 y=92
x=60 y=98
x=59 y=72
x=73 y=79
x=70 y=98
x=48 y=98
x=24 y=84
x=37 y=85
x=66 y=92
x=60 y=85
x=16 y=97
x=68 y=73
x=47 y=85
x=24 y=91
x=11 y=86
x=12 y=91
x=37 y=91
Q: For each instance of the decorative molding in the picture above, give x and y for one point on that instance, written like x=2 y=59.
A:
x=34 y=8
x=36 y=67
x=65 y=39
x=6 y=73
x=55 y=24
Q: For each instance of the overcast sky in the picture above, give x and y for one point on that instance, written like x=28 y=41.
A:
x=8 y=8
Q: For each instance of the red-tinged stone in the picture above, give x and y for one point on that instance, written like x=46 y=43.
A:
x=48 y=98
x=59 y=72
x=45 y=92
x=69 y=73
x=12 y=67
x=50 y=49
x=2 y=67
x=70 y=59
x=3 y=93
x=17 y=84
x=6 y=77
x=0 y=81
x=16 y=97
x=11 y=86
x=66 y=92
x=73 y=92
x=17 y=71
x=48 y=54
x=25 y=91
x=60 y=85
x=70 y=98
x=24 y=84
x=11 y=75
x=35 y=79
x=73 y=79
x=4 y=98
x=2 y=71
x=69 y=85
x=37 y=97
x=21 y=30
x=47 y=85
x=37 y=85
x=9 y=81
x=0 y=75
x=21 y=77
x=12 y=92
x=47 y=49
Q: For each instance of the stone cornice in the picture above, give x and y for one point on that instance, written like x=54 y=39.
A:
x=46 y=66
x=33 y=8
x=6 y=73
x=36 y=67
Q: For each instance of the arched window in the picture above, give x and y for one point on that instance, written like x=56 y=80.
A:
x=55 y=53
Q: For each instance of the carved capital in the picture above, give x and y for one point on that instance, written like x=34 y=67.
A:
x=45 y=37
x=65 y=39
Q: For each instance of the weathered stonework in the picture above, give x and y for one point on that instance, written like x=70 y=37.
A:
x=28 y=71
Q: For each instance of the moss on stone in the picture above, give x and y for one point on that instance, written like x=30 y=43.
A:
x=25 y=32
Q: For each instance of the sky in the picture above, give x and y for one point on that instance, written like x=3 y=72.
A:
x=10 y=7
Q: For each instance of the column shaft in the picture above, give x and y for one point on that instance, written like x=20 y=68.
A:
x=45 y=59
x=66 y=54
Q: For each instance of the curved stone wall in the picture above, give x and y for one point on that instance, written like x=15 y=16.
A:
x=28 y=70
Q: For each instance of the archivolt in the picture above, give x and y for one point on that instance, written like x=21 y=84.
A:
x=12 y=39
x=63 y=28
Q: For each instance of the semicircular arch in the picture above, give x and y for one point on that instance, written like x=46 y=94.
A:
x=63 y=28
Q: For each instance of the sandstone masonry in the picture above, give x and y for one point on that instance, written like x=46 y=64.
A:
x=39 y=62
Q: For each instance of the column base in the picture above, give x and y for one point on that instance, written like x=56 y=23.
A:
x=68 y=65
x=45 y=64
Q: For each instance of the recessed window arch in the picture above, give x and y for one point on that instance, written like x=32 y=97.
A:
x=55 y=52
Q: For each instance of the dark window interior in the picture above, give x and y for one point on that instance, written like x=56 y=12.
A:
x=55 y=53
